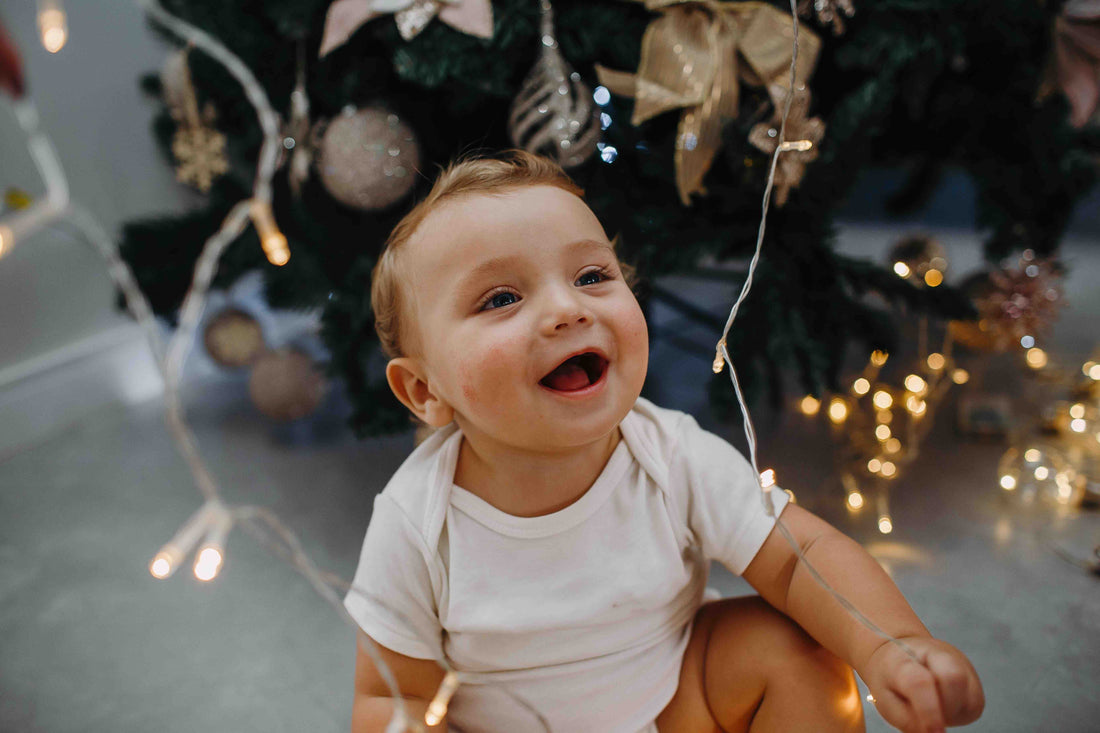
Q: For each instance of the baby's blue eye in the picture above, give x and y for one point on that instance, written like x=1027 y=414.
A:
x=500 y=300
x=591 y=278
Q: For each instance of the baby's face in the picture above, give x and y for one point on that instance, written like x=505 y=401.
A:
x=523 y=322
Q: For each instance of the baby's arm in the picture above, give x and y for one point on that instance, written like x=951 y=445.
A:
x=418 y=680
x=944 y=690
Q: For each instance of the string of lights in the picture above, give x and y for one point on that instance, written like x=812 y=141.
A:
x=766 y=479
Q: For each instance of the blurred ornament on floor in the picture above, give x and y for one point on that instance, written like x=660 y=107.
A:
x=286 y=385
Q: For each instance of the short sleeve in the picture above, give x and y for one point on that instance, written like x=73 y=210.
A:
x=725 y=507
x=391 y=597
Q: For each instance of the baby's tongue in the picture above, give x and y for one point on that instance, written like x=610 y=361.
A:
x=567 y=378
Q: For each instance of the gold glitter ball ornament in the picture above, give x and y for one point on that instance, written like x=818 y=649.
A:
x=233 y=338
x=367 y=158
x=285 y=385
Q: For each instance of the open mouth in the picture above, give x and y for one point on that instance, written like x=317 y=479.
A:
x=576 y=373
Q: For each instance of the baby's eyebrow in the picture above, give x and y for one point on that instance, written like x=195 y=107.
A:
x=502 y=263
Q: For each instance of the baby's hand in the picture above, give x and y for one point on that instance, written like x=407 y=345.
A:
x=923 y=698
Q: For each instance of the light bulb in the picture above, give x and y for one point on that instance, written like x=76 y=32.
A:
x=914 y=383
x=167 y=560
x=878 y=358
x=1036 y=358
x=893 y=445
x=874 y=465
x=437 y=708
x=7 y=239
x=1087 y=367
x=1032 y=455
x=271 y=239
x=936 y=362
x=916 y=406
x=1077 y=425
x=767 y=478
x=902 y=269
x=960 y=376
x=1094 y=372
x=1077 y=410
x=1008 y=483
x=212 y=553
x=810 y=405
x=162 y=565
x=838 y=410
x=933 y=278
x=885 y=525
x=889 y=470
x=855 y=500
x=52 y=25
x=861 y=386
x=208 y=564
x=882 y=399
x=1041 y=472
x=882 y=432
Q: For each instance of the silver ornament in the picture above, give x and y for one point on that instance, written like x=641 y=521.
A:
x=367 y=158
x=554 y=114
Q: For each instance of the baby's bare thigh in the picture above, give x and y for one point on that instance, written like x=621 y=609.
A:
x=724 y=672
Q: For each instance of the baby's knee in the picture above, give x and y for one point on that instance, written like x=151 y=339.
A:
x=781 y=651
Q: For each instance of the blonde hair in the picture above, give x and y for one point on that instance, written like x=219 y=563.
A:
x=513 y=169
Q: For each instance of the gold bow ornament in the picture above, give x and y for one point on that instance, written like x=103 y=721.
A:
x=693 y=57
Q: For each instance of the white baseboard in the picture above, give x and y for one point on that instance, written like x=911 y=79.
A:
x=47 y=393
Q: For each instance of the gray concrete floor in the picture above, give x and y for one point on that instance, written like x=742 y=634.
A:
x=90 y=642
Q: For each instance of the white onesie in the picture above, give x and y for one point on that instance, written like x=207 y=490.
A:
x=583 y=613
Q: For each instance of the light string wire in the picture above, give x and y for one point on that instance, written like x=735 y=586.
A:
x=722 y=355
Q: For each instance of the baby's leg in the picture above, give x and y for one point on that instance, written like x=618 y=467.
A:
x=749 y=667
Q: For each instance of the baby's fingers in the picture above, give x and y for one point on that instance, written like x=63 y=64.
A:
x=960 y=691
x=899 y=712
x=917 y=685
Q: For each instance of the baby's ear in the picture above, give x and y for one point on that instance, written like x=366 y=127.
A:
x=409 y=384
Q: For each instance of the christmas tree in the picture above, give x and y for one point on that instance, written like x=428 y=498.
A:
x=672 y=148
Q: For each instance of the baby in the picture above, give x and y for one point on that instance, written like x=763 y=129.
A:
x=551 y=539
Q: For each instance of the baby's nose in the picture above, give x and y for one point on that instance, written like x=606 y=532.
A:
x=568 y=320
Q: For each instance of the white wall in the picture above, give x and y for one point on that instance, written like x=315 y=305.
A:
x=56 y=301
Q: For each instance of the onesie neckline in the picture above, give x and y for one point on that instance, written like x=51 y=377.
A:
x=547 y=524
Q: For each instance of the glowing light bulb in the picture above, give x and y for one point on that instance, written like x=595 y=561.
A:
x=882 y=399
x=882 y=432
x=960 y=376
x=916 y=406
x=1087 y=367
x=1077 y=410
x=52 y=25
x=800 y=145
x=889 y=470
x=914 y=383
x=161 y=567
x=271 y=239
x=902 y=269
x=878 y=358
x=870 y=698
x=810 y=405
x=874 y=465
x=790 y=495
x=855 y=500
x=208 y=564
x=885 y=525
x=1042 y=472
x=212 y=553
x=838 y=410
x=1077 y=425
x=893 y=445
x=1036 y=358
x=861 y=386
x=1094 y=372
x=7 y=239
x=933 y=278
x=1008 y=483
x=719 y=360
x=936 y=361
x=767 y=478
x=437 y=708
x=1032 y=455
